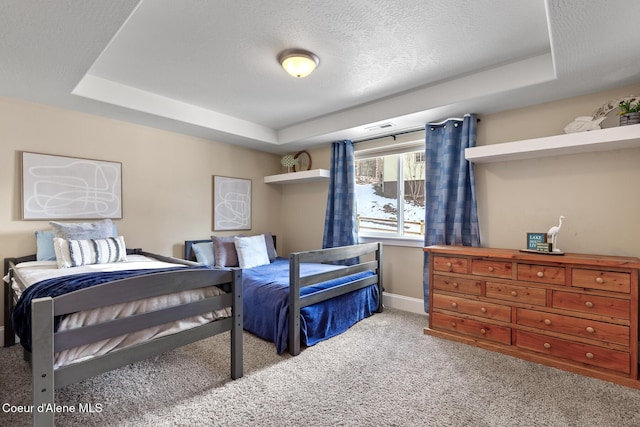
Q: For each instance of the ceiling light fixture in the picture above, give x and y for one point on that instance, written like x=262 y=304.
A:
x=297 y=62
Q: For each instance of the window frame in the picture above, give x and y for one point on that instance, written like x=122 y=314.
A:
x=387 y=146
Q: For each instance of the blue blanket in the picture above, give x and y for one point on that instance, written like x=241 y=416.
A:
x=61 y=285
x=266 y=297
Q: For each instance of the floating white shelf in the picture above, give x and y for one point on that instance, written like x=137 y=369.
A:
x=295 y=177
x=582 y=142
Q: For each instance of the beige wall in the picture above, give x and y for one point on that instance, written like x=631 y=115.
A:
x=597 y=193
x=166 y=176
x=303 y=210
x=167 y=185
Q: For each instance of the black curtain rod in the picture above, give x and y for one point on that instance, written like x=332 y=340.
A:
x=393 y=135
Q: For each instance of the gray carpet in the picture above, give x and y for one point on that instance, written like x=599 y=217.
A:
x=382 y=372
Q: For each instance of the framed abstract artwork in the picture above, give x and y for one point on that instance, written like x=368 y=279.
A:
x=231 y=203
x=58 y=187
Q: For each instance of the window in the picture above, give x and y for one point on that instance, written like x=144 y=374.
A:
x=390 y=194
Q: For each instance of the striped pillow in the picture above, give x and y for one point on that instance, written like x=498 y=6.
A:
x=74 y=253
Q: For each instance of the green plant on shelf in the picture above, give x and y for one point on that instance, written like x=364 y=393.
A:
x=628 y=106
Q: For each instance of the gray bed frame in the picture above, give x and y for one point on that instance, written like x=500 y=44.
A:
x=46 y=342
x=372 y=254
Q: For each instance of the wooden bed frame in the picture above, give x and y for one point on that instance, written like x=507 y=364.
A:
x=46 y=342
x=297 y=301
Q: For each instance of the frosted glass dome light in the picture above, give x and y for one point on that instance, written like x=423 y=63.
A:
x=297 y=62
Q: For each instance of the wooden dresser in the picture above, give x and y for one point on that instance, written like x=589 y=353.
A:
x=574 y=312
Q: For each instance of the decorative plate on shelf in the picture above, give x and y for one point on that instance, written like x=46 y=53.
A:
x=303 y=161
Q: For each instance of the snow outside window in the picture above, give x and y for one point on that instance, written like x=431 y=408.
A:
x=390 y=195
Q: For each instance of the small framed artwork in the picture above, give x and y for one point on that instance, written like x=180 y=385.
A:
x=534 y=238
x=302 y=161
x=59 y=187
x=231 y=203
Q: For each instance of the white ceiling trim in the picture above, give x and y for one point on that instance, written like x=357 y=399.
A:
x=208 y=69
x=516 y=75
x=104 y=90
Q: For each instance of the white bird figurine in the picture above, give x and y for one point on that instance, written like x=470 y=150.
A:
x=583 y=124
x=552 y=234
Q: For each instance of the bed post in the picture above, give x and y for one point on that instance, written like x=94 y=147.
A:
x=379 y=272
x=236 y=329
x=294 y=304
x=42 y=361
x=9 y=334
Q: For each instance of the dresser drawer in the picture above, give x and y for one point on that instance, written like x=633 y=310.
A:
x=451 y=264
x=604 y=306
x=454 y=284
x=585 y=353
x=602 y=331
x=492 y=268
x=605 y=280
x=541 y=274
x=472 y=307
x=516 y=293
x=474 y=328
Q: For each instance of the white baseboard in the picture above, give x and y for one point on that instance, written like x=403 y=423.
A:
x=399 y=302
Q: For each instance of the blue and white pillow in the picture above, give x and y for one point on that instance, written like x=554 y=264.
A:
x=84 y=230
x=74 y=253
x=45 y=250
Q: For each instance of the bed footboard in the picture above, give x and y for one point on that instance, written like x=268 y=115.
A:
x=46 y=342
x=296 y=301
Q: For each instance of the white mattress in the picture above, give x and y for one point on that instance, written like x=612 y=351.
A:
x=35 y=271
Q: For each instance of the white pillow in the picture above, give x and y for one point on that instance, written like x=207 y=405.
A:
x=74 y=253
x=252 y=251
x=61 y=248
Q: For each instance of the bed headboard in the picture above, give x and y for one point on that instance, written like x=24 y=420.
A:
x=188 y=247
x=18 y=260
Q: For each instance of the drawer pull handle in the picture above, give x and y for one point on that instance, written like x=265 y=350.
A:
x=599 y=280
x=455 y=284
x=588 y=304
x=547 y=322
x=589 y=355
x=546 y=345
x=590 y=329
x=449 y=265
x=454 y=304
x=514 y=293
x=491 y=269
x=540 y=274
x=483 y=331
x=483 y=309
x=453 y=324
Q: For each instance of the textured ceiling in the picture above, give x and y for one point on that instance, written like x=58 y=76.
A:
x=209 y=68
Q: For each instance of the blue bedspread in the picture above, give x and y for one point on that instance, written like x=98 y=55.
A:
x=266 y=312
x=61 y=285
